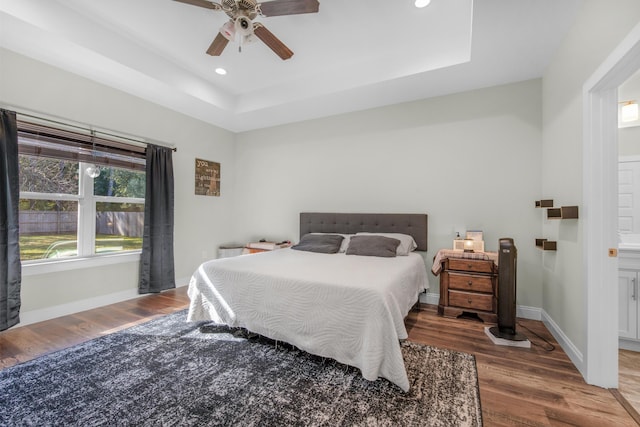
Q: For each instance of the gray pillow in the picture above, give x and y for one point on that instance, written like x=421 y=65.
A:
x=320 y=243
x=373 y=246
x=407 y=243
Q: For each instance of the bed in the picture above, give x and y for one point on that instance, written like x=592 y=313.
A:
x=349 y=308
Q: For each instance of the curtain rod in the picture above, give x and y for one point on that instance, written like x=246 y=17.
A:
x=89 y=129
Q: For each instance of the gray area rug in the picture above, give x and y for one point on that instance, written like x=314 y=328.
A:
x=168 y=372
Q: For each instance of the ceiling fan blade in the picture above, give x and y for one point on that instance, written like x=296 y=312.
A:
x=272 y=41
x=288 y=7
x=202 y=3
x=218 y=45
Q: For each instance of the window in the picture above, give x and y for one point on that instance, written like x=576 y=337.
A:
x=66 y=211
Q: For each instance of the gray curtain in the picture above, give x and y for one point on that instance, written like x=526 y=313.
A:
x=10 y=267
x=156 y=260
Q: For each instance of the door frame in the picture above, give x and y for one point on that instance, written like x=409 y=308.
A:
x=600 y=180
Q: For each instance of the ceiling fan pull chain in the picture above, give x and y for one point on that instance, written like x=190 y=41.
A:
x=239 y=36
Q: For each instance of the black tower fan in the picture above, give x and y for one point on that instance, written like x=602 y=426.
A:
x=507 y=262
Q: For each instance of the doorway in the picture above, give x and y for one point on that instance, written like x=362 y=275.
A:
x=600 y=166
x=629 y=241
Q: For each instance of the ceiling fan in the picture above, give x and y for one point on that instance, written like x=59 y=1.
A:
x=241 y=25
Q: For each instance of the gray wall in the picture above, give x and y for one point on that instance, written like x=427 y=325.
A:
x=471 y=161
x=598 y=29
x=445 y=156
x=202 y=223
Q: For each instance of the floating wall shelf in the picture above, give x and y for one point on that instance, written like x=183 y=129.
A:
x=546 y=245
x=563 y=212
x=544 y=203
x=554 y=213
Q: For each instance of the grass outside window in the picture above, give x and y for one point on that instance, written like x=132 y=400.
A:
x=37 y=247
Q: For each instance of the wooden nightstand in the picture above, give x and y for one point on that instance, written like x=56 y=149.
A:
x=469 y=286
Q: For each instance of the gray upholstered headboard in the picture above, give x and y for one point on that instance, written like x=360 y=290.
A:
x=350 y=223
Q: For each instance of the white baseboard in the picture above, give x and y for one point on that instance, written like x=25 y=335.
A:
x=523 y=311
x=47 y=313
x=430 y=298
x=569 y=348
x=632 y=345
x=534 y=313
x=184 y=281
x=531 y=313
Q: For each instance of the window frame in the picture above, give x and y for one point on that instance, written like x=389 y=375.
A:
x=86 y=234
x=86 y=229
x=38 y=267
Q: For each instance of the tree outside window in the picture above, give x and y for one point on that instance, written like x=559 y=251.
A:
x=58 y=200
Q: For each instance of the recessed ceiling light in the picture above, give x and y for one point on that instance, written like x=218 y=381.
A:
x=422 y=3
x=221 y=71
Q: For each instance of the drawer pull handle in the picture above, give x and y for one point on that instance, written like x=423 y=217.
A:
x=469 y=301
x=469 y=266
x=470 y=282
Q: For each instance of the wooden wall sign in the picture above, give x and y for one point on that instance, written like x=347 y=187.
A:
x=207 y=178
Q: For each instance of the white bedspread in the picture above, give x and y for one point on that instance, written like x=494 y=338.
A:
x=345 y=307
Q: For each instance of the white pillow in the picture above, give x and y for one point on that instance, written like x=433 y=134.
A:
x=407 y=244
x=345 y=242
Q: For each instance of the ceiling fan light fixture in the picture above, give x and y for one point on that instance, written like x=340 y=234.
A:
x=228 y=30
x=244 y=26
x=242 y=29
x=422 y=3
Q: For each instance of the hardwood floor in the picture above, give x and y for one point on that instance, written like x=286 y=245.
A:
x=629 y=381
x=27 y=342
x=518 y=387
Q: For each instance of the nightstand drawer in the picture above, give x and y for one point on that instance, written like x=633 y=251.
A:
x=470 y=300
x=467 y=282
x=468 y=287
x=471 y=265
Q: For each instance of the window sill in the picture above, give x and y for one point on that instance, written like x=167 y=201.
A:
x=34 y=268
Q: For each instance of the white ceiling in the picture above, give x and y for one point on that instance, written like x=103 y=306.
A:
x=351 y=55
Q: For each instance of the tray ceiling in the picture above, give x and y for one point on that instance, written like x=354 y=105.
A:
x=349 y=56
